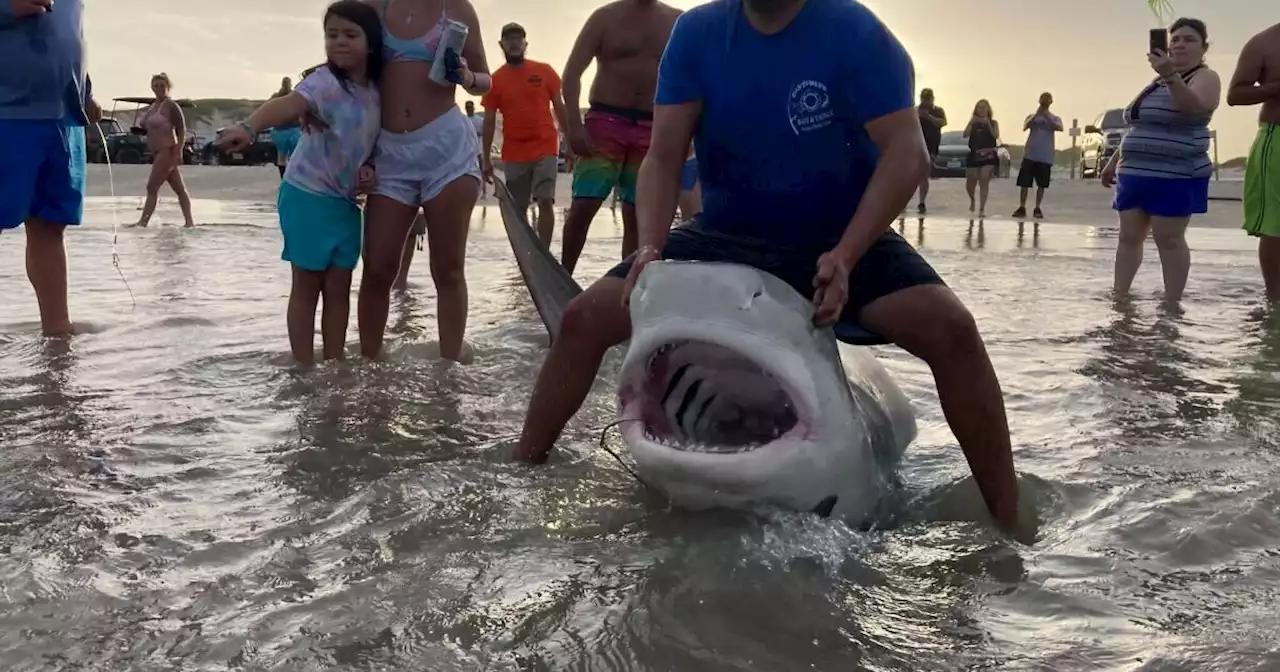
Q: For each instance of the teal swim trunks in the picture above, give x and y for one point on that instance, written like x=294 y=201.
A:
x=320 y=232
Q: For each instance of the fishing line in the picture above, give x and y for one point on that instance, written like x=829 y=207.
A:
x=115 y=215
x=604 y=433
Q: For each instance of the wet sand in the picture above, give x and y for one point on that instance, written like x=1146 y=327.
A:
x=1068 y=201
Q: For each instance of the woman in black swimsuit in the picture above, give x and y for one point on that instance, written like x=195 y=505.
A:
x=983 y=132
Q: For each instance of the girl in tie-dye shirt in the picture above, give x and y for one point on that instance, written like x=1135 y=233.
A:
x=319 y=215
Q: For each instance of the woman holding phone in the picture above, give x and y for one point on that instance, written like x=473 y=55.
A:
x=1161 y=173
x=983 y=132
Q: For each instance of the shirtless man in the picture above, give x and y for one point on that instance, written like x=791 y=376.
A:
x=626 y=38
x=1257 y=81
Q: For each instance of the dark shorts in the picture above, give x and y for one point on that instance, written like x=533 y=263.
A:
x=891 y=265
x=1162 y=197
x=980 y=159
x=1034 y=172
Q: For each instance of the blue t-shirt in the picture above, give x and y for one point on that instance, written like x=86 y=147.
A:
x=42 y=63
x=783 y=154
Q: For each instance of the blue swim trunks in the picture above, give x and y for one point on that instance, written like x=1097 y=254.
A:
x=1161 y=196
x=320 y=232
x=42 y=174
x=689 y=174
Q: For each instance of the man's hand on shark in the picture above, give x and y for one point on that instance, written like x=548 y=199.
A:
x=830 y=288
x=643 y=256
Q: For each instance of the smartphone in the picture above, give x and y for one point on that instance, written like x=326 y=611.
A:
x=1159 y=41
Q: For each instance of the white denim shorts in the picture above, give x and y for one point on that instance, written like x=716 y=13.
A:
x=415 y=167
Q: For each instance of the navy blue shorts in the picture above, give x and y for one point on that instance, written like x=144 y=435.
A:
x=689 y=174
x=1162 y=196
x=43 y=172
x=891 y=265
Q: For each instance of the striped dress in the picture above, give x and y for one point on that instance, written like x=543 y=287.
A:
x=1163 y=142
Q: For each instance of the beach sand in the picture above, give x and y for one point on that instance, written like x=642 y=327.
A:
x=1081 y=202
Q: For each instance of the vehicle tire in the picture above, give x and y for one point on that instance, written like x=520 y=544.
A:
x=128 y=155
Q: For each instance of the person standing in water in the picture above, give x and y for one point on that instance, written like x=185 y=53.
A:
x=626 y=39
x=1037 y=161
x=932 y=120
x=285 y=136
x=983 y=132
x=426 y=162
x=809 y=146
x=166 y=129
x=477 y=120
x=527 y=94
x=319 y=218
x=1257 y=82
x=45 y=102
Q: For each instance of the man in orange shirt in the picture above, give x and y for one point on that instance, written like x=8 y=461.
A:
x=525 y=92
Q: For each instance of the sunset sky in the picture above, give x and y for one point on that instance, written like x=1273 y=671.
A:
x=1089 y=53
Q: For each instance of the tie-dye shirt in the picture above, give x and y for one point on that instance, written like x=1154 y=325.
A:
x=327 y=163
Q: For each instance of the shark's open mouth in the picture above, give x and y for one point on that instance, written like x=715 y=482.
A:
x=706 y=397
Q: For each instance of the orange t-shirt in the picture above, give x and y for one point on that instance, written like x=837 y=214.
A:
x=522 y=94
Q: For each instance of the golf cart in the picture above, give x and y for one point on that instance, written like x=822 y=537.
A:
x=130 y=146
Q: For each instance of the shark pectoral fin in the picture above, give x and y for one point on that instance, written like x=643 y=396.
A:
x=826 y=505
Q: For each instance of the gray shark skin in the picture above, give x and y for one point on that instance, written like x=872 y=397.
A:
x=729 y=397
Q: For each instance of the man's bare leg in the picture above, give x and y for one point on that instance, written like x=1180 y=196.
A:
x=576 y=225
x=47 y=271
x=931 y=323
x=593 y=323
x=1269 y=260
x=546 y=221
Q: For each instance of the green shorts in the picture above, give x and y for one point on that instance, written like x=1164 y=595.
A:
x=1262 y=184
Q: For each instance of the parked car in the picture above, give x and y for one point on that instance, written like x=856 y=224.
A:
x=953 y=151
x=261 y=152
x=1101 y=140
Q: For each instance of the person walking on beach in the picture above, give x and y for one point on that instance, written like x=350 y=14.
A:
x=166 y=129
x=1037 y=161
x=285 y=136
x=1161 y=172
x=1257 y=81
x=626 y=39
x=806 y=156
x=983 y=132
x=477 y=120
x=319 y=217
x=932 y=120
x=527 y=94
x=46 y=99
x=426 y=161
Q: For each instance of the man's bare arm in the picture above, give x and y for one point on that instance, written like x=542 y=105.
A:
x=904 y=162
x=1246 y=87
x=584 y=51
x=658 y=184
x=557 y=106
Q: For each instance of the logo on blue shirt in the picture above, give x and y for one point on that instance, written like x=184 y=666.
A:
x=809 y=106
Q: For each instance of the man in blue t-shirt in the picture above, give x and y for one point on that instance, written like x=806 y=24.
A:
x=802 y=117
x=45 y=102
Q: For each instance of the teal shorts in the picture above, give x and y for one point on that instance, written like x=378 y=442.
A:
x=320 y=232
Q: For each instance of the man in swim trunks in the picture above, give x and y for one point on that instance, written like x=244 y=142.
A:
x=1257 y=81
x=45 y=103
x=626 y=39
x=526 y=92
x=808 y=148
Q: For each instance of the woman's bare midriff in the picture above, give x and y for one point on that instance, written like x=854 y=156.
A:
x=158 y=142
x=410 y=100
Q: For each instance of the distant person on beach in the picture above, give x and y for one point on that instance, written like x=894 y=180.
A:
x=1161 y=173
x=285 y=137
x=527 y=95
x=166 y=129
x=426 y=162
x=319 y=217
x=45 y=102
x=625 y=38
x=809 y=146
x=477 y=120
x=932 y=120
x=1037 y=160
x=983 y=132
x=1257 y=81
x=416 y=234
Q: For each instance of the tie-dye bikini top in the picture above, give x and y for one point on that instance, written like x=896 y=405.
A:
x=417 y=49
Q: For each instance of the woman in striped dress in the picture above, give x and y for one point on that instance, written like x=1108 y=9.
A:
x=1161 y=173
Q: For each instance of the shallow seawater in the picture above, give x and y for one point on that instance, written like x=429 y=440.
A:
x=175 y=496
